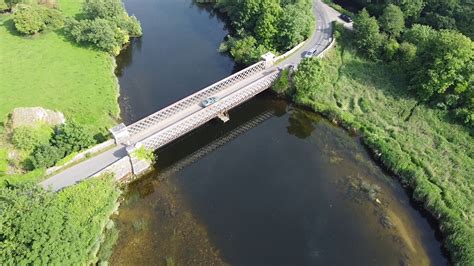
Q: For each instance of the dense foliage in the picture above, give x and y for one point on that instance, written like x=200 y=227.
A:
x=266 y=25
x=439 y=14
x=68 y=138
x=27 y=138
x=409 y=137
x=36 y=18
x=39 y=227
x=106 y=25
x=438 y=63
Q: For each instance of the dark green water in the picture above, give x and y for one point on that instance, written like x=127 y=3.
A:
x=276 y=185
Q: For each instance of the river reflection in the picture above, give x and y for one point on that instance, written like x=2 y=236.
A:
x=276 y=185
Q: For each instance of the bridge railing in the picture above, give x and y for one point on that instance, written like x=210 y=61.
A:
x=199 y=118
x=194 y=98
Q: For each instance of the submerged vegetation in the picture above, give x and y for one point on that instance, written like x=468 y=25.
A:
x=419 y=143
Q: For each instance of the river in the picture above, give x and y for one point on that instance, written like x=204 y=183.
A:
x=276 y=185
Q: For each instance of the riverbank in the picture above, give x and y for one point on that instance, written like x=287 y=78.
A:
x=409 y=139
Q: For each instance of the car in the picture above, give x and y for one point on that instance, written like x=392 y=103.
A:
x=209 y=101
x=309 y=53
x=346 y=18
x=286 y=66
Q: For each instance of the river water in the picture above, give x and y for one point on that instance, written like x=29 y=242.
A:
x=276 y=185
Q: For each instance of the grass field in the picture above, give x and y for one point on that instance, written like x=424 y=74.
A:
x=49 y=71
x=429 y=153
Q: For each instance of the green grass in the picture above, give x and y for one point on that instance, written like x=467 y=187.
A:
x=3 y=161
x=434 y=156
x=50 y=71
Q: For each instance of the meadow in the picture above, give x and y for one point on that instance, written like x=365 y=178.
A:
x=50 y=71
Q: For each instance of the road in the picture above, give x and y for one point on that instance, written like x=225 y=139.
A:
x=319 y=40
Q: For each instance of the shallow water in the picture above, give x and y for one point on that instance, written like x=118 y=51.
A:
x=276 y=185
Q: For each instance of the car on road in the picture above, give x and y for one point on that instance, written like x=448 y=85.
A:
x=346 y=18
x=209 y=101
x=291 y=67
x=309 y=53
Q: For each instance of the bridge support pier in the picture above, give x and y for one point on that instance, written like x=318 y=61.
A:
x=139 y=165
x=224 y=116
x=120 y=134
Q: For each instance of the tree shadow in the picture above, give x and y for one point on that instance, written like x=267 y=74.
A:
x=10 y=26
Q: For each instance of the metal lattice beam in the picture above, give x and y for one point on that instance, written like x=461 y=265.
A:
x=153 y=119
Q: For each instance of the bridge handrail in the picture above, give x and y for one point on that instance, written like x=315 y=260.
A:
x=197 y=119
x=194 y=98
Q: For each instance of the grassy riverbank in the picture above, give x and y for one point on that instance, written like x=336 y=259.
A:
x=419 y=144
x=50 y=71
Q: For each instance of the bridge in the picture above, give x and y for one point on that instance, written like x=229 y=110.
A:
x=180 y=118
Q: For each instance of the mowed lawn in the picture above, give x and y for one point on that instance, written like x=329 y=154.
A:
x=50 y=71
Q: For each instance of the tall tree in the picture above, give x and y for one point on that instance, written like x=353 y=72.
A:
x=444 y=65
x=367 y=32
x=392 y=20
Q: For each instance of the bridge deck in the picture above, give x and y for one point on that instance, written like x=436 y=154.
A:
x=192 y=109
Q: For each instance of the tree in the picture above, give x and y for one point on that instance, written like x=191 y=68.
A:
x=100 y=32
x=444 y=65
x=105 y=9
x=407 y=53
x=411 y=8
x=309 y=77
x=420 y=35
x=392 y=21
x=296 y=24
x=367 y=35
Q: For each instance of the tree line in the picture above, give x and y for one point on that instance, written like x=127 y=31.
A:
x=439 y=14
x=103 y=24
x=437 y=63
x=261 y=26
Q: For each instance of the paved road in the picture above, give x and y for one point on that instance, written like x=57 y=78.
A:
x=319 y=40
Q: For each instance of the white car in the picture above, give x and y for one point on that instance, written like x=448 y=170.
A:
x=309 y=53
x=209 y=101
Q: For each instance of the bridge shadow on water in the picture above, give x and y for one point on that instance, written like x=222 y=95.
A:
x=273 y=186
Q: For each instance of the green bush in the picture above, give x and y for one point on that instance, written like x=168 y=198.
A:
x=282 y=84
x=29 y=20
x=72 y=137
x=33 y=19
x=46 y=155
x=144 y=154
x=27 y=138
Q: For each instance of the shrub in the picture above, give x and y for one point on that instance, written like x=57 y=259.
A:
x=71 y=137
x=29 y=20
x=33 y=19
x=144 y=154
x=45 y=155
x=27 y=138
